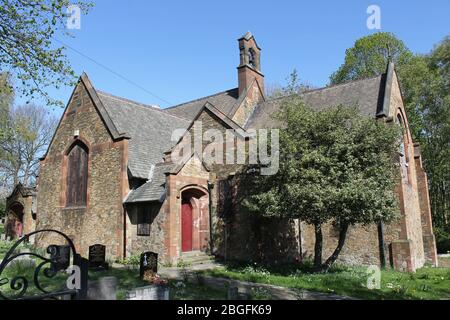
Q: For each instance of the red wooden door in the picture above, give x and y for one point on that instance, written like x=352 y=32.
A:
x=186 y=227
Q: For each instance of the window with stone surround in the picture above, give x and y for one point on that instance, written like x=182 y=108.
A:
x=403 y=160
x=77 y=175
x=145 y=216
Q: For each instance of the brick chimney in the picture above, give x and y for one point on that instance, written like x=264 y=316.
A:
x=250 y=63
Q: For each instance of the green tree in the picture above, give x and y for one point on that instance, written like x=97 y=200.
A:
x=27 y=48
x=425 y=83
x=336 y=166
x=435 y=134
x=2 y=210
x=369 y=57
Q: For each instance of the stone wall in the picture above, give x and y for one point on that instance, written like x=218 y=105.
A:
x=361 y=245
x=101 y=220
x=407 y=248
x=136 y=244
x=247 y=106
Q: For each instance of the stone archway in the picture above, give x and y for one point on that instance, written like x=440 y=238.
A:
x=14 y=224
x=194 y=220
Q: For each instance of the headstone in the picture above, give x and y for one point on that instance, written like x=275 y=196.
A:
x=233 y=293
x=3 y=237
x=151 y=292
x=97 y=255
x=62 y=257
x=148 y=263
x=103 y=289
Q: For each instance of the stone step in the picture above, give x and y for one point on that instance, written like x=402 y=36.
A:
x=193 y=253
x=196 y=258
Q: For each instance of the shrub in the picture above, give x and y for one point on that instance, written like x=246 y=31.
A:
x=442 y=239
x=131 y=260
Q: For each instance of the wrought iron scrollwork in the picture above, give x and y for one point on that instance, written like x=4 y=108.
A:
x=46 y=266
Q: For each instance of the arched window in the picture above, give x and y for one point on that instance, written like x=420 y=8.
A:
x=77 y=175
x=252 y=57
x=402 y=152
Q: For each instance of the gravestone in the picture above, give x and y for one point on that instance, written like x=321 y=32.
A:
x=62 y=258
x=97 y=255
x=104 y=288
x=151 y=292
x=148 y=263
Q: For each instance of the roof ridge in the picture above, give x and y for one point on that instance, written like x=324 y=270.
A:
x=198 y=99
x=327 y=87
x=139 y=104
x=124 y=99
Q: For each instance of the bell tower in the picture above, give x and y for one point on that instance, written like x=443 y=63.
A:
x=250 y=63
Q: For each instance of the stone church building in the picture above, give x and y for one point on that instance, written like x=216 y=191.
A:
x=108 y=177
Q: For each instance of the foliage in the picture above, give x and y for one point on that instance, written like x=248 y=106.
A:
x=426 y=283
x=294 y=85
x=369 y=57
x=30 y=129
x=131 y=260
x=27 y=45
x=335 y=166
x=442 y=239
x=2 y=209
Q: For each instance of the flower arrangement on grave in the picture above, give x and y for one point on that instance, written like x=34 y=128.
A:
x=153 y=278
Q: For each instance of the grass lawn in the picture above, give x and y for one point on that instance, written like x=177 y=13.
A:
x=426 y=283
x=127 y=279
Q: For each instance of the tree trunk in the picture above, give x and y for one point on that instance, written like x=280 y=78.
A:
x=318 y=247
x=341 y=241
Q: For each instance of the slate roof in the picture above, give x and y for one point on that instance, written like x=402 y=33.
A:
x=224 y=101
x=150 y=130
x=366 y=94
x=154 y=188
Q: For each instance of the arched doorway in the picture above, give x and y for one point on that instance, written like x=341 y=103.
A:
x=194 y=220
x=14 y=225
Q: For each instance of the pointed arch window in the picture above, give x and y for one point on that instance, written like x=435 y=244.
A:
x=402 y=152
x=77 y=175
x=252 y=57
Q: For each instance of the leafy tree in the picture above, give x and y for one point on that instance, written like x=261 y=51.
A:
x=30 y=129
x=336 y=166
x=27 y=47
x=425 y=82
x=369 y=57
x=435 y=135
x=2 y=210
x=294 y=85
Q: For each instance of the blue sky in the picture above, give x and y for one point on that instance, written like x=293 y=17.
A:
x=182 y=50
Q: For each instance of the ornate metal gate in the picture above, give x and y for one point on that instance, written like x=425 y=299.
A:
x=49 y=267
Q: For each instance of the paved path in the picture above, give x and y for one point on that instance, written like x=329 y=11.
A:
x=244 y=288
